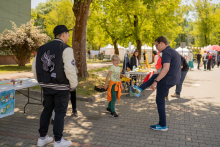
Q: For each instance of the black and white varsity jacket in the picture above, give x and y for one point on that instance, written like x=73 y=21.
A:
x=54 y=66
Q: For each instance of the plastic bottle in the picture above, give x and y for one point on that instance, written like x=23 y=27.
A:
x=134 y=67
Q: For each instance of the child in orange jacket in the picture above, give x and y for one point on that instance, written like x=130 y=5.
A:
x=115 y=86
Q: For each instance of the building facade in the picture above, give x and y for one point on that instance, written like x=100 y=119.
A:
x=18 y=11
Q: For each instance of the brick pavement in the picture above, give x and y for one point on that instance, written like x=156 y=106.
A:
x=193 y=119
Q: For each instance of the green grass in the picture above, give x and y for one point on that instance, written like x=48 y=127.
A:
x=86 y=85
x=8 y=69
x=98 y=70
x=90 y=61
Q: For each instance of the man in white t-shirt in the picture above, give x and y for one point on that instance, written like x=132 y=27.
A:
x=204 y=59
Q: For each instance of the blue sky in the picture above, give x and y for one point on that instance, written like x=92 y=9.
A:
x=34 y=3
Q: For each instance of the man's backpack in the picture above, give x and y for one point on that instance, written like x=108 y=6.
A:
x=207 y=57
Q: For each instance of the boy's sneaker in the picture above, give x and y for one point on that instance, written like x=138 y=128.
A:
x=136 y=90
x=63 y=143
x=114 y=114
x=108 y=109
x=159 y=128
x=42 y=142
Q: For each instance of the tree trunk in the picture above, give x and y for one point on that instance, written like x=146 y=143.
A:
x=116 y=47
x=99 y=48
x=81 y=10
x=152 y=52
x=138 y=41
x=139 y=44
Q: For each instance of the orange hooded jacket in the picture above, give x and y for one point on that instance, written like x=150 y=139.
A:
x=117 y=88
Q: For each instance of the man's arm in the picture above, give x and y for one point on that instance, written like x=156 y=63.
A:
x=70 y=67
x=164 y=71
x=33 y=68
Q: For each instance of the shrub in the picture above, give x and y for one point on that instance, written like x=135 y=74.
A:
x=22 y=41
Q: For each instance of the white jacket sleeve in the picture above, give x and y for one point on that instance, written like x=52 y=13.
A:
x=33 y=68
x=70 y=67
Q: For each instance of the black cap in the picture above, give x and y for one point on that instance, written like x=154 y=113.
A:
x=60 y=29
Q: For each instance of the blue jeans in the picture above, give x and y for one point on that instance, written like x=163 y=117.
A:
x=213 y=63
x=162 y=90
x=205 y=63
x=149 y=82
x=198 y=63
x=179 y=86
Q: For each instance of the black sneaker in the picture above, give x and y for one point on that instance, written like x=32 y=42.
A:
x=108 y=109
x=75 y=113
x=114 y=114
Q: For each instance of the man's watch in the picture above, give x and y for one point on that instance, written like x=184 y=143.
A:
x=156 y=80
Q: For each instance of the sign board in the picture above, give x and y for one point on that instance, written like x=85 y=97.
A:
x=7 y=103
x=183 y=44
x=129 y=46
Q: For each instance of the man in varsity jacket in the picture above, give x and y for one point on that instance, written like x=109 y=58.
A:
x=54 y=69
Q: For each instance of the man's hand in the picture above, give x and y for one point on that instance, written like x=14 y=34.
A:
x=152 y=87
x=121 y=87
x=72 y=89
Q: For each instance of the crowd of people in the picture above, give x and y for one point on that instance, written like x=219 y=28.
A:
x=209 y=60
x=55 y=70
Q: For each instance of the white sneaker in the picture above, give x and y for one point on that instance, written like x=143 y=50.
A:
x=47 y=140
x=63 y=143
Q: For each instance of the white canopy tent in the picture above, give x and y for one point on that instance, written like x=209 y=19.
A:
x=182 y=51
x=109 y=50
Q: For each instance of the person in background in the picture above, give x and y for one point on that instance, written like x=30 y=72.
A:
x=89 y=53
x=205 y=56
x=184 y=70
x=209 y=61
x=144 y=55
x=199 y=56
x=157 y=61
x=131 y=54
x=190 y=60
x=218 y=59
x=134 y=60
x=213 y=60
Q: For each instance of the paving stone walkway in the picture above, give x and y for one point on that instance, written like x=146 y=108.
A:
x=193 y=119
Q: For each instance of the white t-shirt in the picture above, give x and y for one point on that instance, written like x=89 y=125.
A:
x=204 y=56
